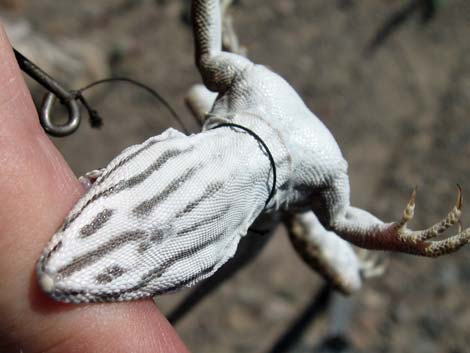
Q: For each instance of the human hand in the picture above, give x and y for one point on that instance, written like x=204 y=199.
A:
x=37 y=189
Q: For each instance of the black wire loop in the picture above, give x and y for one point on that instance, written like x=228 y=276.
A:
x=71 y=99
x=265 y=146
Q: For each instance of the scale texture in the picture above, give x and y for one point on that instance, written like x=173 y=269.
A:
x=162 y=215
x=165 y=214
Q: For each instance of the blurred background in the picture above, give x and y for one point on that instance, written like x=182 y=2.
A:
x=390 y=78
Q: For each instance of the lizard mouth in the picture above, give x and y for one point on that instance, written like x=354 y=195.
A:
x=47 y=282
x=51 y=285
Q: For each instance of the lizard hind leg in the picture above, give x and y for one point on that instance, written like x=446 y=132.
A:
x=326 y=253
x=365 y=230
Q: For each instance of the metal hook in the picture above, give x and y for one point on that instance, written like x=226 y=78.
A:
x=56 y=90
x=59 y=130
x=71 y=99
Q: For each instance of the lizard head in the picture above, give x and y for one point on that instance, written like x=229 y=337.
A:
x=89 y=257
x=108 y=243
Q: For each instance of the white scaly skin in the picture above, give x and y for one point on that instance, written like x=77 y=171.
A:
x=169 y=212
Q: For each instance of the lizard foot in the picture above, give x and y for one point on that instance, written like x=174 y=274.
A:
x=417 y=242
x=371 y=264
x=89 y=178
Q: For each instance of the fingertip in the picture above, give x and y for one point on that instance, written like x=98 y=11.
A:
x=37 y=187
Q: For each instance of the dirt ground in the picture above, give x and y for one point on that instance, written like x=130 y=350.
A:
x=400 y=115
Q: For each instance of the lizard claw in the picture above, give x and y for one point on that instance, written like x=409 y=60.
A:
x=89 y=178
x=409 y=211
x=418 y=241
x=459 y=197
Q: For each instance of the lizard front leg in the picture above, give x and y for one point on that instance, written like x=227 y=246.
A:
x=230 y=40
x=365 y=230
x=199 y=99
x=218 y=68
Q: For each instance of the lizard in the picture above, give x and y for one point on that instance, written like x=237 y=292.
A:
x=168 y=213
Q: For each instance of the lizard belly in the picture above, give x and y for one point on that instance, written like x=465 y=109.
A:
x=257 y=99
